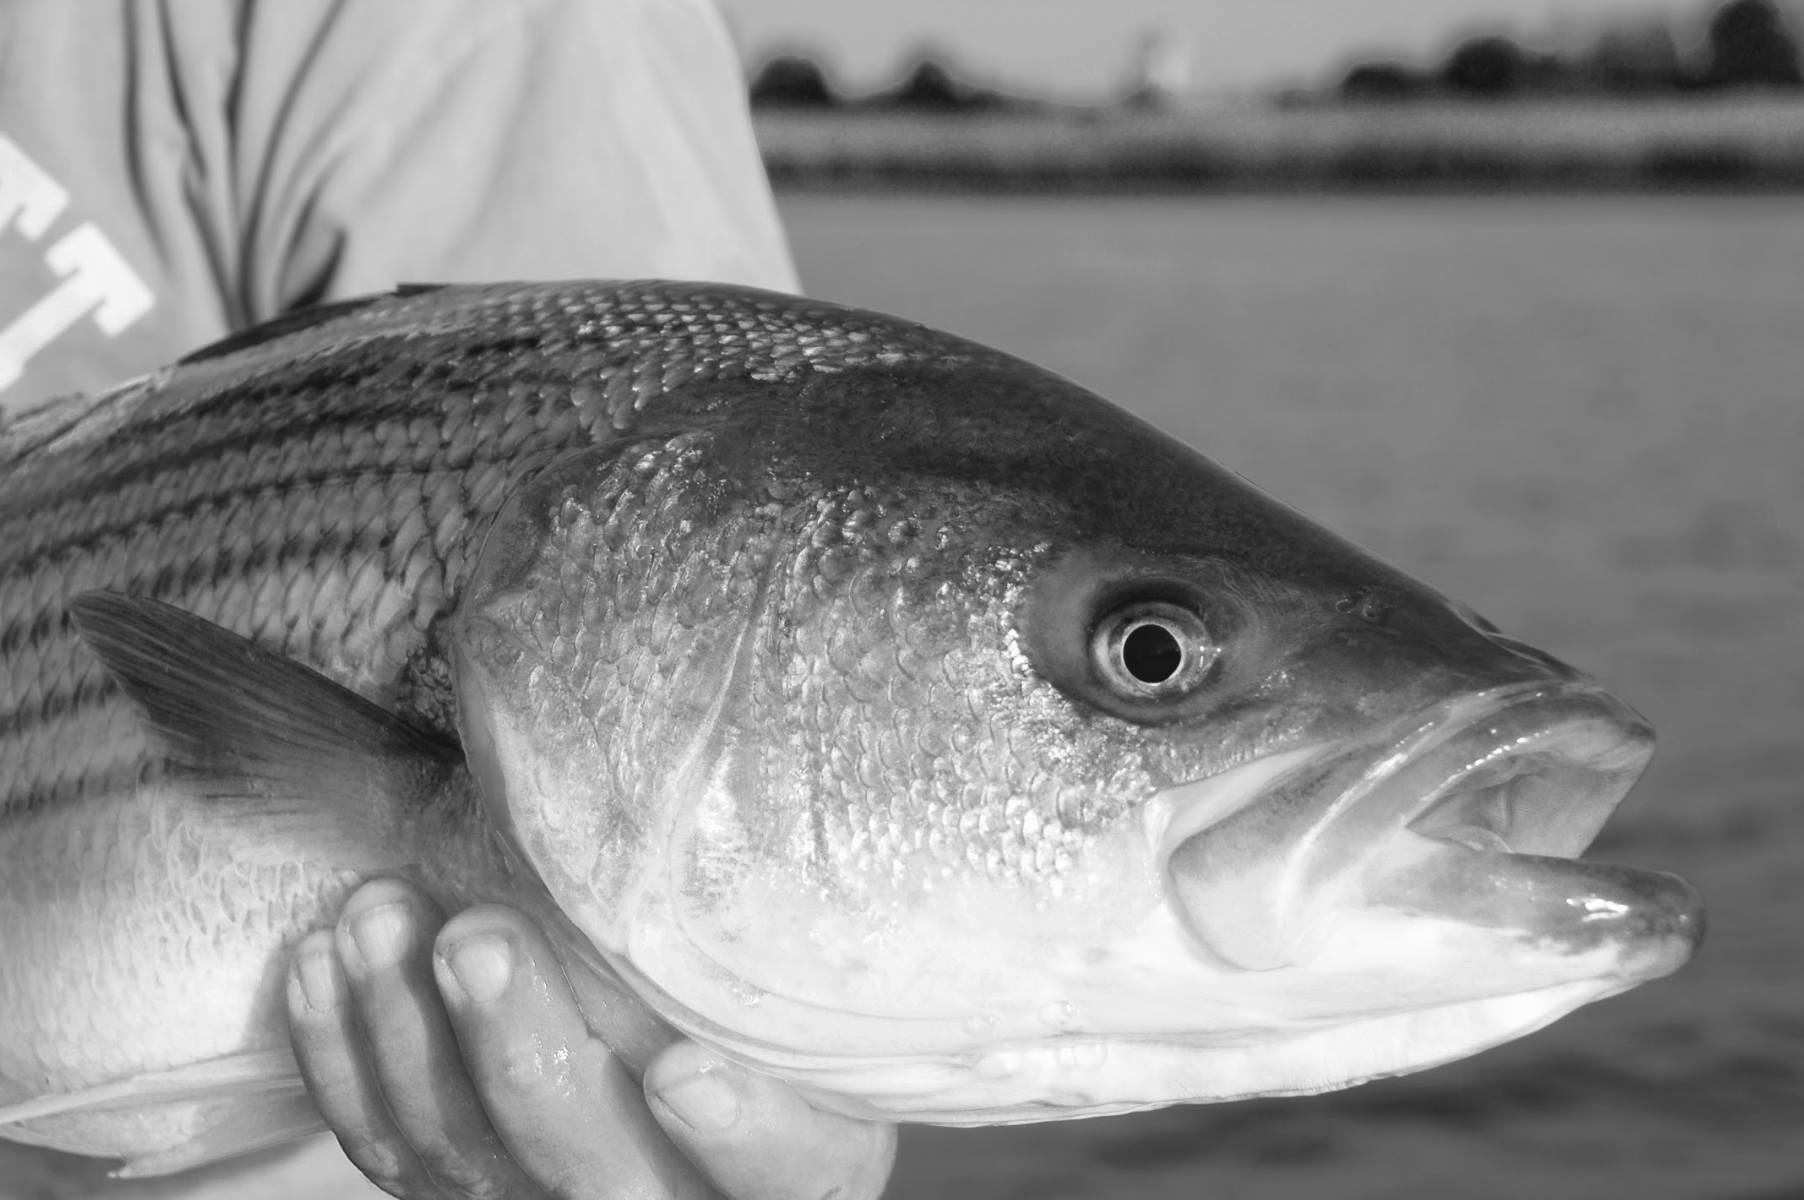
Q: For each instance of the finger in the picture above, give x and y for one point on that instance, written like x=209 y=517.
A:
x=757 y=1138
x=567 y=1107
x=340 y=1079
x=384 y=940
x=612 y=1011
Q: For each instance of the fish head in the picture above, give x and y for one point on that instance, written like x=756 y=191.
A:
x=961 y=748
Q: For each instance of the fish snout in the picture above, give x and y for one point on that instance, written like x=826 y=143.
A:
x=1470 y=816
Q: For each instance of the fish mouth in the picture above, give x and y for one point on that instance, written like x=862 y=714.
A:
x=1472 y=817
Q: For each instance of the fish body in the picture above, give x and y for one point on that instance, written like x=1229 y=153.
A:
x=886 y=712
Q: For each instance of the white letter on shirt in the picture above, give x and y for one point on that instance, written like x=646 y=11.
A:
x=27 y=195
x=95 y=277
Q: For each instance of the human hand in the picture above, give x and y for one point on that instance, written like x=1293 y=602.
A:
x=462 y=1065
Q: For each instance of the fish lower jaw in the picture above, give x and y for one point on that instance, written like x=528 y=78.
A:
x=1073 y=1076
x=1154 y=1026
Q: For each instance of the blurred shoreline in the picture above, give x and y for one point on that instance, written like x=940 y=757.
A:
x=1745 y=141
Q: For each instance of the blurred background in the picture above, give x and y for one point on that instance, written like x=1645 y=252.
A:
x=1512 y=293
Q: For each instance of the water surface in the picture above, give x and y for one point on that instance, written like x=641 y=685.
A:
x=1586 y=418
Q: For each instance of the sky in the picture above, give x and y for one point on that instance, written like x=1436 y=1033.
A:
x=1085 y=49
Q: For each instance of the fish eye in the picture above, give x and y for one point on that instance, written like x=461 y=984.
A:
x=1152 y=649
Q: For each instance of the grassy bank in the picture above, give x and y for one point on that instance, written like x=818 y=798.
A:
x=1744 y=142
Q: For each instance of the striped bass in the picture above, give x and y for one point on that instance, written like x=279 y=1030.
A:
x=889 y=714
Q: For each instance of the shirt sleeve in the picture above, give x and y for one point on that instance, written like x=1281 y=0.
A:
x=171 y=170
x=547 y=140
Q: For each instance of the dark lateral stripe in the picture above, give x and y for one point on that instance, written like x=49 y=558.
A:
x=171 y=581
x=185 y=441
x=89 y=542
x=120 y=778
x=372 y=426
x=361 y=398
x=36 y=632
x=96 y=689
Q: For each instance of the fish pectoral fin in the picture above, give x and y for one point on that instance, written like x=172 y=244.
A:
x=258 y=1122
x=263 y=739
x=268 y=1105
x=211 y=1079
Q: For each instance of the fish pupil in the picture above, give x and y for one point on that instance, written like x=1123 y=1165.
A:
x=1151 y=653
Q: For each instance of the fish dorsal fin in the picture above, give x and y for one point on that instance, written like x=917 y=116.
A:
x=264 y=739
x=276 y=327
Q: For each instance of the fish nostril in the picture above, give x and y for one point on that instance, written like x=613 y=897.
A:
x=1368 y=604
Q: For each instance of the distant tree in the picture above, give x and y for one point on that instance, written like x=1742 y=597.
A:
x=792 y=81
x=1750 y=44
x=1634 y=58
x=930 y=87
x=1492 y=65
x=1552 y=74
x=1383 y=81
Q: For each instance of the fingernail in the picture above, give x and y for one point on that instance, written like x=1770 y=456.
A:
x=382 y=934
x=703 y=1102
x=319 y=979
x=483 y=965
